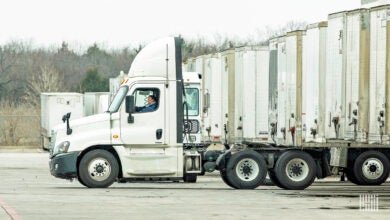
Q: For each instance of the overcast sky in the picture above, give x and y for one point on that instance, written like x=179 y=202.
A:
x=117 y=23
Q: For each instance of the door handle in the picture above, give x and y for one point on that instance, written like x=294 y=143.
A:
x=159 y=133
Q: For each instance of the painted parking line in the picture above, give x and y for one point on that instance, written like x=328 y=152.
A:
x=9 y=210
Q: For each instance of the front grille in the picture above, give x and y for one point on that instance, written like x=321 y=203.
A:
x=191 y=126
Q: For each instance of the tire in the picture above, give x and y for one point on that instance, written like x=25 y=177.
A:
x=225 y=180
x=80 y=181
x=371 y=168
x=351 y=177
x=295 y=170
x=246 y=170
x=98 y=169
x=274 y=179
x=190 y=177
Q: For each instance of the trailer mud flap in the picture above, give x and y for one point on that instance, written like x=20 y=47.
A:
x=323 y=167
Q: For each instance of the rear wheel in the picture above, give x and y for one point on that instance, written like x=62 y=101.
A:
x=246 y=170
x=274 y=179
x=98 y=169
x=295 y=170
x=371 y=168
x=351 y=177
x=225 y=179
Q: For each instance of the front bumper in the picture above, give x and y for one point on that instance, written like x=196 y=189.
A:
x=64 y=165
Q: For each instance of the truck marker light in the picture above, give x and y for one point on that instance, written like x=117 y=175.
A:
x=115 y=136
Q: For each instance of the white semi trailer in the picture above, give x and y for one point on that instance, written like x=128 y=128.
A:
x=53 y=107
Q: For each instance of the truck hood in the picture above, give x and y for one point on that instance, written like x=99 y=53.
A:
x=86 y=131
x=83 y=121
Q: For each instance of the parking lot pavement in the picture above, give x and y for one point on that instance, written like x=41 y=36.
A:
x=27 y=187
x=4 y=214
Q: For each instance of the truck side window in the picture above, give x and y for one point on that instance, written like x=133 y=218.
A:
x=192 y=95
x=146 y=99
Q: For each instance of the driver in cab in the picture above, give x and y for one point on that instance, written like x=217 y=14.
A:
x=150 y=106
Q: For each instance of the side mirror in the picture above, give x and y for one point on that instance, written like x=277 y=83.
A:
x=130 y=106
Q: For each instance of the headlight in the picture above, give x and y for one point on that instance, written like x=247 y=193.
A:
x=61 y=148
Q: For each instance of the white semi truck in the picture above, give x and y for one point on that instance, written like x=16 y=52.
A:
x=124 y=144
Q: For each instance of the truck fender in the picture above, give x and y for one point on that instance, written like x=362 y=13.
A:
x=222 y=160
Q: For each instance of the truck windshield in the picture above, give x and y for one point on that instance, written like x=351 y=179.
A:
x=192 y=95
x=117 y=101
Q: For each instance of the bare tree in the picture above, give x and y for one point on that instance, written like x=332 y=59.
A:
x=48 y=79
x=271 y=32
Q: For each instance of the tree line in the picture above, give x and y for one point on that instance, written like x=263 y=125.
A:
x=27 y=71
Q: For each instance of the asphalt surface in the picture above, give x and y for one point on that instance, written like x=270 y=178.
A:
x=28 y=191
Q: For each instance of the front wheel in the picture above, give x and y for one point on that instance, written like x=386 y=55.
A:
x=246 y=170
x=295 y=170
x=98 y=169
x=371 y=168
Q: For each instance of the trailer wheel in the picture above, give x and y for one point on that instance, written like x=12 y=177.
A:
x=351 y=177
x=274 y=179
x=295 y=170
x=98 y=169
x=190 y=177
x=371 y=168
x=246 y=170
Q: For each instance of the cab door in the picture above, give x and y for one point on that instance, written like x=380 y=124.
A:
x=145 y=136
x=148 y=128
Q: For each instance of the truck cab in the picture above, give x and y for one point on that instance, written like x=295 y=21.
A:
x=127 y=143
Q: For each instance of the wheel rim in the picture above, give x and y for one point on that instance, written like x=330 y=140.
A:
x=99 y=169
x=247 y=169
x=297 y=169
x=372 y=168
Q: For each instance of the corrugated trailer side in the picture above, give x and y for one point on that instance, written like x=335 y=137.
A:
x=294 y=87
x=379 y=75
x=212 y=89
x=255 y=94
x=273 y=89
x=357 y=72
x=238 y=103
x=313 y=78
x=249 y=94
x=282 y=87
x=216 y=122
x=262 y=96
x=335 y=76
x=228 y=59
